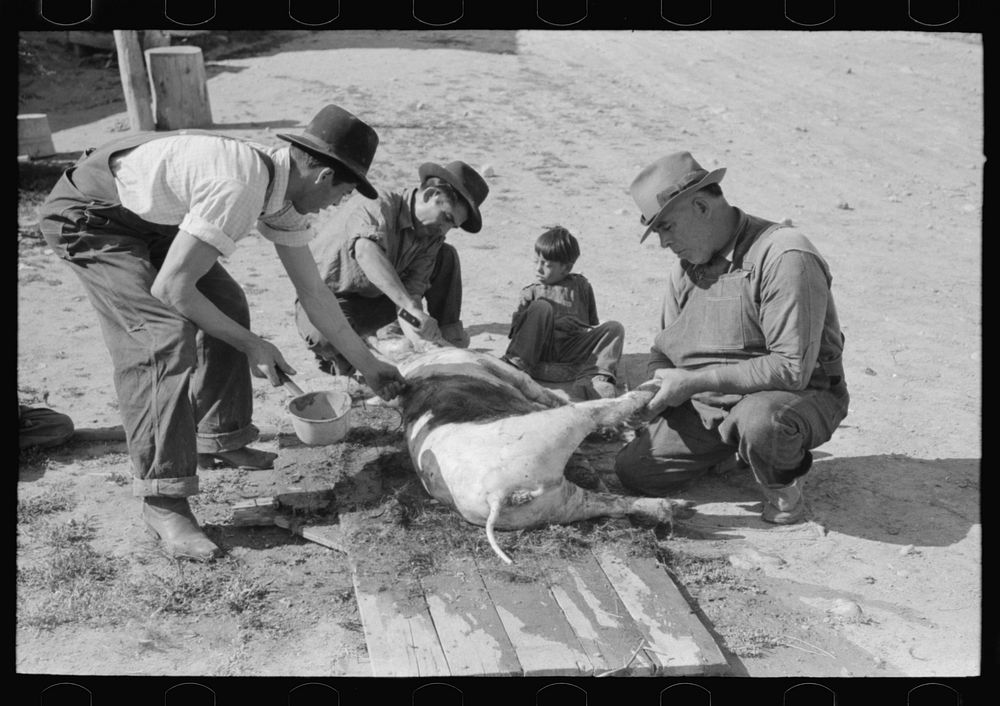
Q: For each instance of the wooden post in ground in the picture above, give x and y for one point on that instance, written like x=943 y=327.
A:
x=180 y=96
x=134 y=81
x=34 y=138
x=153 y=38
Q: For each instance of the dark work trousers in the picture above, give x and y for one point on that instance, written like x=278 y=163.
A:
x=40 y=427
x=535 y=339
x=772 y=431
x=366 y=315
x=180 y=391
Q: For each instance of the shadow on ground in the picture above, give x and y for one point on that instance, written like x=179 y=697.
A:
x=888 y=498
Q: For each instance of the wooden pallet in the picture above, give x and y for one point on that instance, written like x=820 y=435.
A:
x=602 y=614
x=605 y=615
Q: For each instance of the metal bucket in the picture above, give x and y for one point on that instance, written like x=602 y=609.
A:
x=319 y=418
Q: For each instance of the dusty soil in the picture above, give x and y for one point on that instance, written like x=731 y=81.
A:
x=871 y=143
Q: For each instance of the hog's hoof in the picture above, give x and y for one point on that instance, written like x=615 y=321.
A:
x=683 y=509
x=660 y=511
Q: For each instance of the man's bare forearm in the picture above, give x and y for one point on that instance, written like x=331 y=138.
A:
x=381 y=273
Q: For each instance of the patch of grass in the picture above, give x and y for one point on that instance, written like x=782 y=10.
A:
x=70 y=583
x=749 y=642
x=52 y=500
x=697 y=571
x=243 y=593
x=119 y=478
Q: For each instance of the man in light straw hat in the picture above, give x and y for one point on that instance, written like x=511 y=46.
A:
x=142 y=222
x=748 y=360
x=384 y=258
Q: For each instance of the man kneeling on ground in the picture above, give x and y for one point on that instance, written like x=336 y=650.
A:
x=748 y=361
x=383 y=258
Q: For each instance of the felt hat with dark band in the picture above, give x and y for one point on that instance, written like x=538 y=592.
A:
x=666 y=181
x=467 y=182
x=337 y=135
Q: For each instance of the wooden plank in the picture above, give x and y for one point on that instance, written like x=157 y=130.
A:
x=600 y=620
x=255 y=512
x=470 y=631
x=543 y=639
x=399 y=632
x=673 y=633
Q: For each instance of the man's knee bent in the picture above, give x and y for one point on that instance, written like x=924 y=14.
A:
x=640 y=471
x=763 y=422
x=613 y=328
x=539 y=308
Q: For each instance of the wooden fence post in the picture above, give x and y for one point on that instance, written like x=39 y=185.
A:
x=134 y=81
x=177 y=79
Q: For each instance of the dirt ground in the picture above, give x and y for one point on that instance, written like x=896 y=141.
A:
x=871 y=143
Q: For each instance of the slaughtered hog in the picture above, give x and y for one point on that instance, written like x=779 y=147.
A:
x=492 y=443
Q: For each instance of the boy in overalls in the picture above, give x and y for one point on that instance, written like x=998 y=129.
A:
x=747 y=365
x=556 y=319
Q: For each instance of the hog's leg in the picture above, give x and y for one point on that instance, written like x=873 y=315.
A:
x=568 y=503
x=522 y=381
x=531 y=450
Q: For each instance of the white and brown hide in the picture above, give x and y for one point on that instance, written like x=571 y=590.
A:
x=491 y=442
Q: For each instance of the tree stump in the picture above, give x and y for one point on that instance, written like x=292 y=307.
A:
x=33 y=135
x=177 y=80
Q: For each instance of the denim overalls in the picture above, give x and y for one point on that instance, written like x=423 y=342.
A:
x=180 y=391
x=771 y=430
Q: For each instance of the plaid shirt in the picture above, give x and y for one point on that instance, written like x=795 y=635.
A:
x=212 y=188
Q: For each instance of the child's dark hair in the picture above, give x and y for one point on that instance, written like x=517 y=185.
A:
x=558 y=245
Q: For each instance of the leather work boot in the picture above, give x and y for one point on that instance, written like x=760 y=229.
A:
x=784 y=505
x=171 y=520
x=246 y=458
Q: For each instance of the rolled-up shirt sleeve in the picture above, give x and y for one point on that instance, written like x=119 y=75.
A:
x=366 y=222
x=221 y=212
x=794 y=296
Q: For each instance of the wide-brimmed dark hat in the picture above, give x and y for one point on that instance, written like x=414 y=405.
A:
x=338 y=135
x=667 y=180
x=467 y=182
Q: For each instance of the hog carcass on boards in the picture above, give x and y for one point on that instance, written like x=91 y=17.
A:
x=489 y=441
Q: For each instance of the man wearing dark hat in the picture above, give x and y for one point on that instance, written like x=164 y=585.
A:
x=142 y=222
x=747 y=366
x=384 y=258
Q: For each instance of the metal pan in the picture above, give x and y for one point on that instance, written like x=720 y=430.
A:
x=319 y=418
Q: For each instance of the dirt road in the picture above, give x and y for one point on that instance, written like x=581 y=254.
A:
x=871 y=143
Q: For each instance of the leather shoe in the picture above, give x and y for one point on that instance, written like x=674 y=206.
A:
x=171 y=520
x=246 y=458
x=784 y=505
